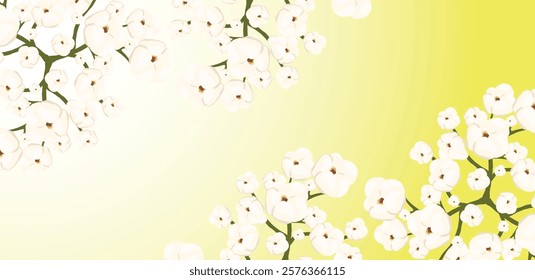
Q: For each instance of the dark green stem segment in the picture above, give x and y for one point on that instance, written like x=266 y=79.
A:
x=22 y=127
x=244 y=19
x=414 y=208
x=121 y=52
x=290 y=240
x=513 y=132
x=222 y=63
x=248 y=258
x=312 y=196
x=271 y=226
x=474 y=163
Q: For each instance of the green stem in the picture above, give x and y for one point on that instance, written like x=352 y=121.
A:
x=60 y=96
x=121 y=52
x=516 y=131
x=457 y=233
x=245 y=20
x=248 y=258
x=89 y=8
x=222 y=63
x=522 y=208
x=10 y=52
x=290 y=240
x=312 y=196
x=414 y=208
x=22 y=127
x=474 y=163
x=271 y=226
x=261 y=32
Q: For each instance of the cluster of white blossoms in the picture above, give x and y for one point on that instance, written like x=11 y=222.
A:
x=54 y=57
x=491 y=140
x=248 y=49
x=287 y=200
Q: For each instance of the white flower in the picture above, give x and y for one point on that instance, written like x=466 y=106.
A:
x=46 y=120
x=140 y=24
x=333 y=175
x=29 y=56
x=220 y=217
x=48 y=13
x=451 y=146
x=444 y=175
x=284 y=49
x=9 y=24
x=454 y=201
x=430 y=195
x=211 y=20
x=291 y=20
x=247 y=56
x=417 y=248
x=448 y=119
x=472 y=215
x=62 y=44
x=20 y=106
x=243 y=239
x=257 y=15
x=88 y=139
x=287 y=76
x=488 y=139
x=228 y=255
x=421 y=153
x=83 y=114
x=384 y=198
x=202 y=84
x=77 y=18
x=180 y=28
x=116 y=9
x=346 y=252
x=404 y=214
x=486 y=246
x=183 y=251
x=277 y=244
x=457 y=251
x=314 y=42
x=80 y=6
x=11 y=85
x=90 y=84
x=516 y=152
x=36 y=159
x=511 y=249
x=32 y=33
x=506 y=203
x=352 y=8
x=111 y=106
x=511 y=121
x=315 y=216
x=499 y=100
x=56 y=80
x=298 y=235
x=287 y=203
x=503 y=226
x=186 y=9
x=356 y=229
x=247 y=183
x=431 y=224
x=221 y=42
x=525 y=233
x=474 y=115
x=150 y=60
x=326 y=239
x=478 y=180
x=60 y=143
x=310 y=185
x=237 y=95
x=23 y=10
x=523 y=173
x=524 y=108
x=500 y=170
x=298 y=164
x=250 y=211
x=10 y=151
x=236 y=24
x=308 y=5
x=274 y=179
x=103 y=33
x=391 y=234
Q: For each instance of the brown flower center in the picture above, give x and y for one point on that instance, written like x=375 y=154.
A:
x=49 y=125
x=154 y=59
x=333 y=170
x=106 y=29
x=201 y=89
x=486 y=134
x=250 y=61
x=381 y=201
x=284 y=198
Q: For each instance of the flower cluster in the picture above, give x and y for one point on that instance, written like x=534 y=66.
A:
x=54 y=57
x=490 y=139
x=248 y=48
x=287 y=200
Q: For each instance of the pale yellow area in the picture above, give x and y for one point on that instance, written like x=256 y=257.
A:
x=163 y=164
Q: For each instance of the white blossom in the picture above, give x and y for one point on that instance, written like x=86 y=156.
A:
x=11 y=85
x=9 y=24
x=525 y=233
x=287 y=203
x=202 y=84
x=326 y=239
x=287 y=76
x=291 y=20
x=478 y=180
x=524 y=109
x=29 y=56
x=472 y=215
x=298 y=164
x=356 y=229
x=516 y=152
x=346 y=252
x=384 y=198
x=150 y=60
x=486 y=246
x=243 y=239
x=277 y=244
x=432 y=224
x=36 y=159
x=140 y=24
x=183 y=251
x=506 y=203
x=421 y=153
x=489 y=139
x=315 y=216
x=333 y=175
x=392 y=235
x=247 y=183
x=511 y=249
x=237 y=95
x=448 y=119
x=451 y=146
x=10 y=151
x=499 y=100
x=62 y=44
x=475 y=115
x=444 y=174
x=523 y=173
x=250 y=211
x=220 y=217
x=257 y=15
x=430 y=195
x=352 y=8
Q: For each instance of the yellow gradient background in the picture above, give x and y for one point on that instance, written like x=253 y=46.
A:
x=163 y=165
